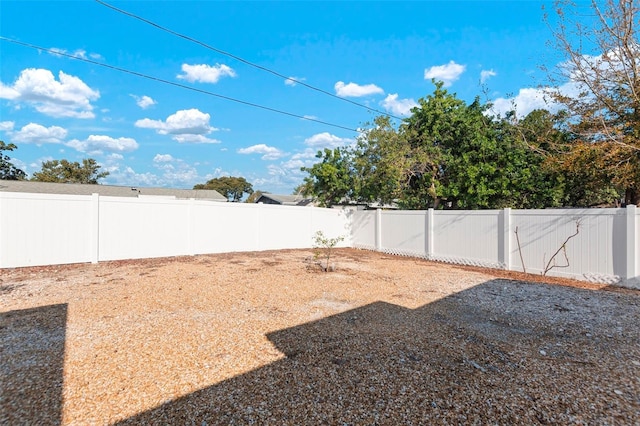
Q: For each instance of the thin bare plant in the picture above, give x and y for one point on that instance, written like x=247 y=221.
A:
x=323 y=248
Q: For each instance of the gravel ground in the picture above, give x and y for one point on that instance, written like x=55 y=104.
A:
x=267 y=338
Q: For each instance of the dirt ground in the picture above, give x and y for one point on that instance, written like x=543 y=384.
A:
x=268 y=338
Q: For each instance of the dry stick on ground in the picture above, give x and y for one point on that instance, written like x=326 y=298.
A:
x=563 y=249
x=524 y=268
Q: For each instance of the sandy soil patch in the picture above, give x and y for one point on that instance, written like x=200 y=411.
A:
x=266 y=338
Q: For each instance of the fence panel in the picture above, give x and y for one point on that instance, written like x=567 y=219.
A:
x=404 y=232
x=135 y=228
x=223 y=227
x=333 y=223
x=596 y=253
x=39 y=229
x=363 y=229
x=280 y=230
x=467 y=237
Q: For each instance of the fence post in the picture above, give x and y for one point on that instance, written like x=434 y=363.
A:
x=506 y=238
x=632 y=235
x=378 y=229
x=429 y=231
x=258 y=219
x=190 y=226
x=94 y=241
x=1 y=220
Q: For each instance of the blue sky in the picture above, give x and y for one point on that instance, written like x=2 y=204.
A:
x=147 y=133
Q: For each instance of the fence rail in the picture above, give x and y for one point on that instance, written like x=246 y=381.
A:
x=606 y=248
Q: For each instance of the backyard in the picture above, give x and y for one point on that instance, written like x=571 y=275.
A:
x=268 y=338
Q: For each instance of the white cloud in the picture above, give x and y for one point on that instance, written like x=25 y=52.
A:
x=162 y=158
x=78 y=53
x=114 y=156
x=269 y=152
x=68 y=97
x=97 y=144
x=187 y=121
x=21 y=165
x=310 y=117
x=6 y=125
x=185 y=126
x=187 y=138
x=398 y=106
x=144 y=102
x=355 y=90
x=527 y=100
x=447 y=73
x=326 y=140
x=177 y=172
x=486 y=75
x=167 y=171
x=204 y=73
x=292 y=83
x=127 y=176
x=38 y=134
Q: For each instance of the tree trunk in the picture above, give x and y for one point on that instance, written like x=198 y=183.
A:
x=631 y=196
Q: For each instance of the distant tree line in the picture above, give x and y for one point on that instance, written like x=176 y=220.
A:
x=59 y=171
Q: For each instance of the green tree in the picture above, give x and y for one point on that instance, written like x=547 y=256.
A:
x=64 y=171
x=447 y=154
x=7 y=170
x=330 y=181
x=463 y=158
x=233 y=188
x=602 y=67
x=536 y=179
x=381 y=163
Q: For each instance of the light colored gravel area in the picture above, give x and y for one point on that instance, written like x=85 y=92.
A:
x=266 y=338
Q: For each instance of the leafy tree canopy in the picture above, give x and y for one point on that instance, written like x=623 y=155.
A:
x=64 y=171
x=7 y=170
x=231 y=187
x=447 y=154
x=330 y=180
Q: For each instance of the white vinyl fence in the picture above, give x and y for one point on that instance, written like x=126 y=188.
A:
x=48 y=229
x=606 y=248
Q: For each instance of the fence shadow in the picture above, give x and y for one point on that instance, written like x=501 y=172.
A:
x=32 y=345
x=444 y=362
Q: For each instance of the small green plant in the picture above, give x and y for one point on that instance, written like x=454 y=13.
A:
x=323 y=246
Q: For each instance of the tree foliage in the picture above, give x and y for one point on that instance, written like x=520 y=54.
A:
x=233 y=188
x=7 y=170
x=64 y=171
x=447 y=154
x=330 y=180
x=602 y=98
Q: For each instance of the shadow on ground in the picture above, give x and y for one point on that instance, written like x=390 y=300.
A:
x=503 y=352
x=31 y=365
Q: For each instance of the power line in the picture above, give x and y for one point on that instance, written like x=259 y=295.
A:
x=149 y=77
x=237 y=58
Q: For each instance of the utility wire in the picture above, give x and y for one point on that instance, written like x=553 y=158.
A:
x=237 y=58
x=149 y=77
